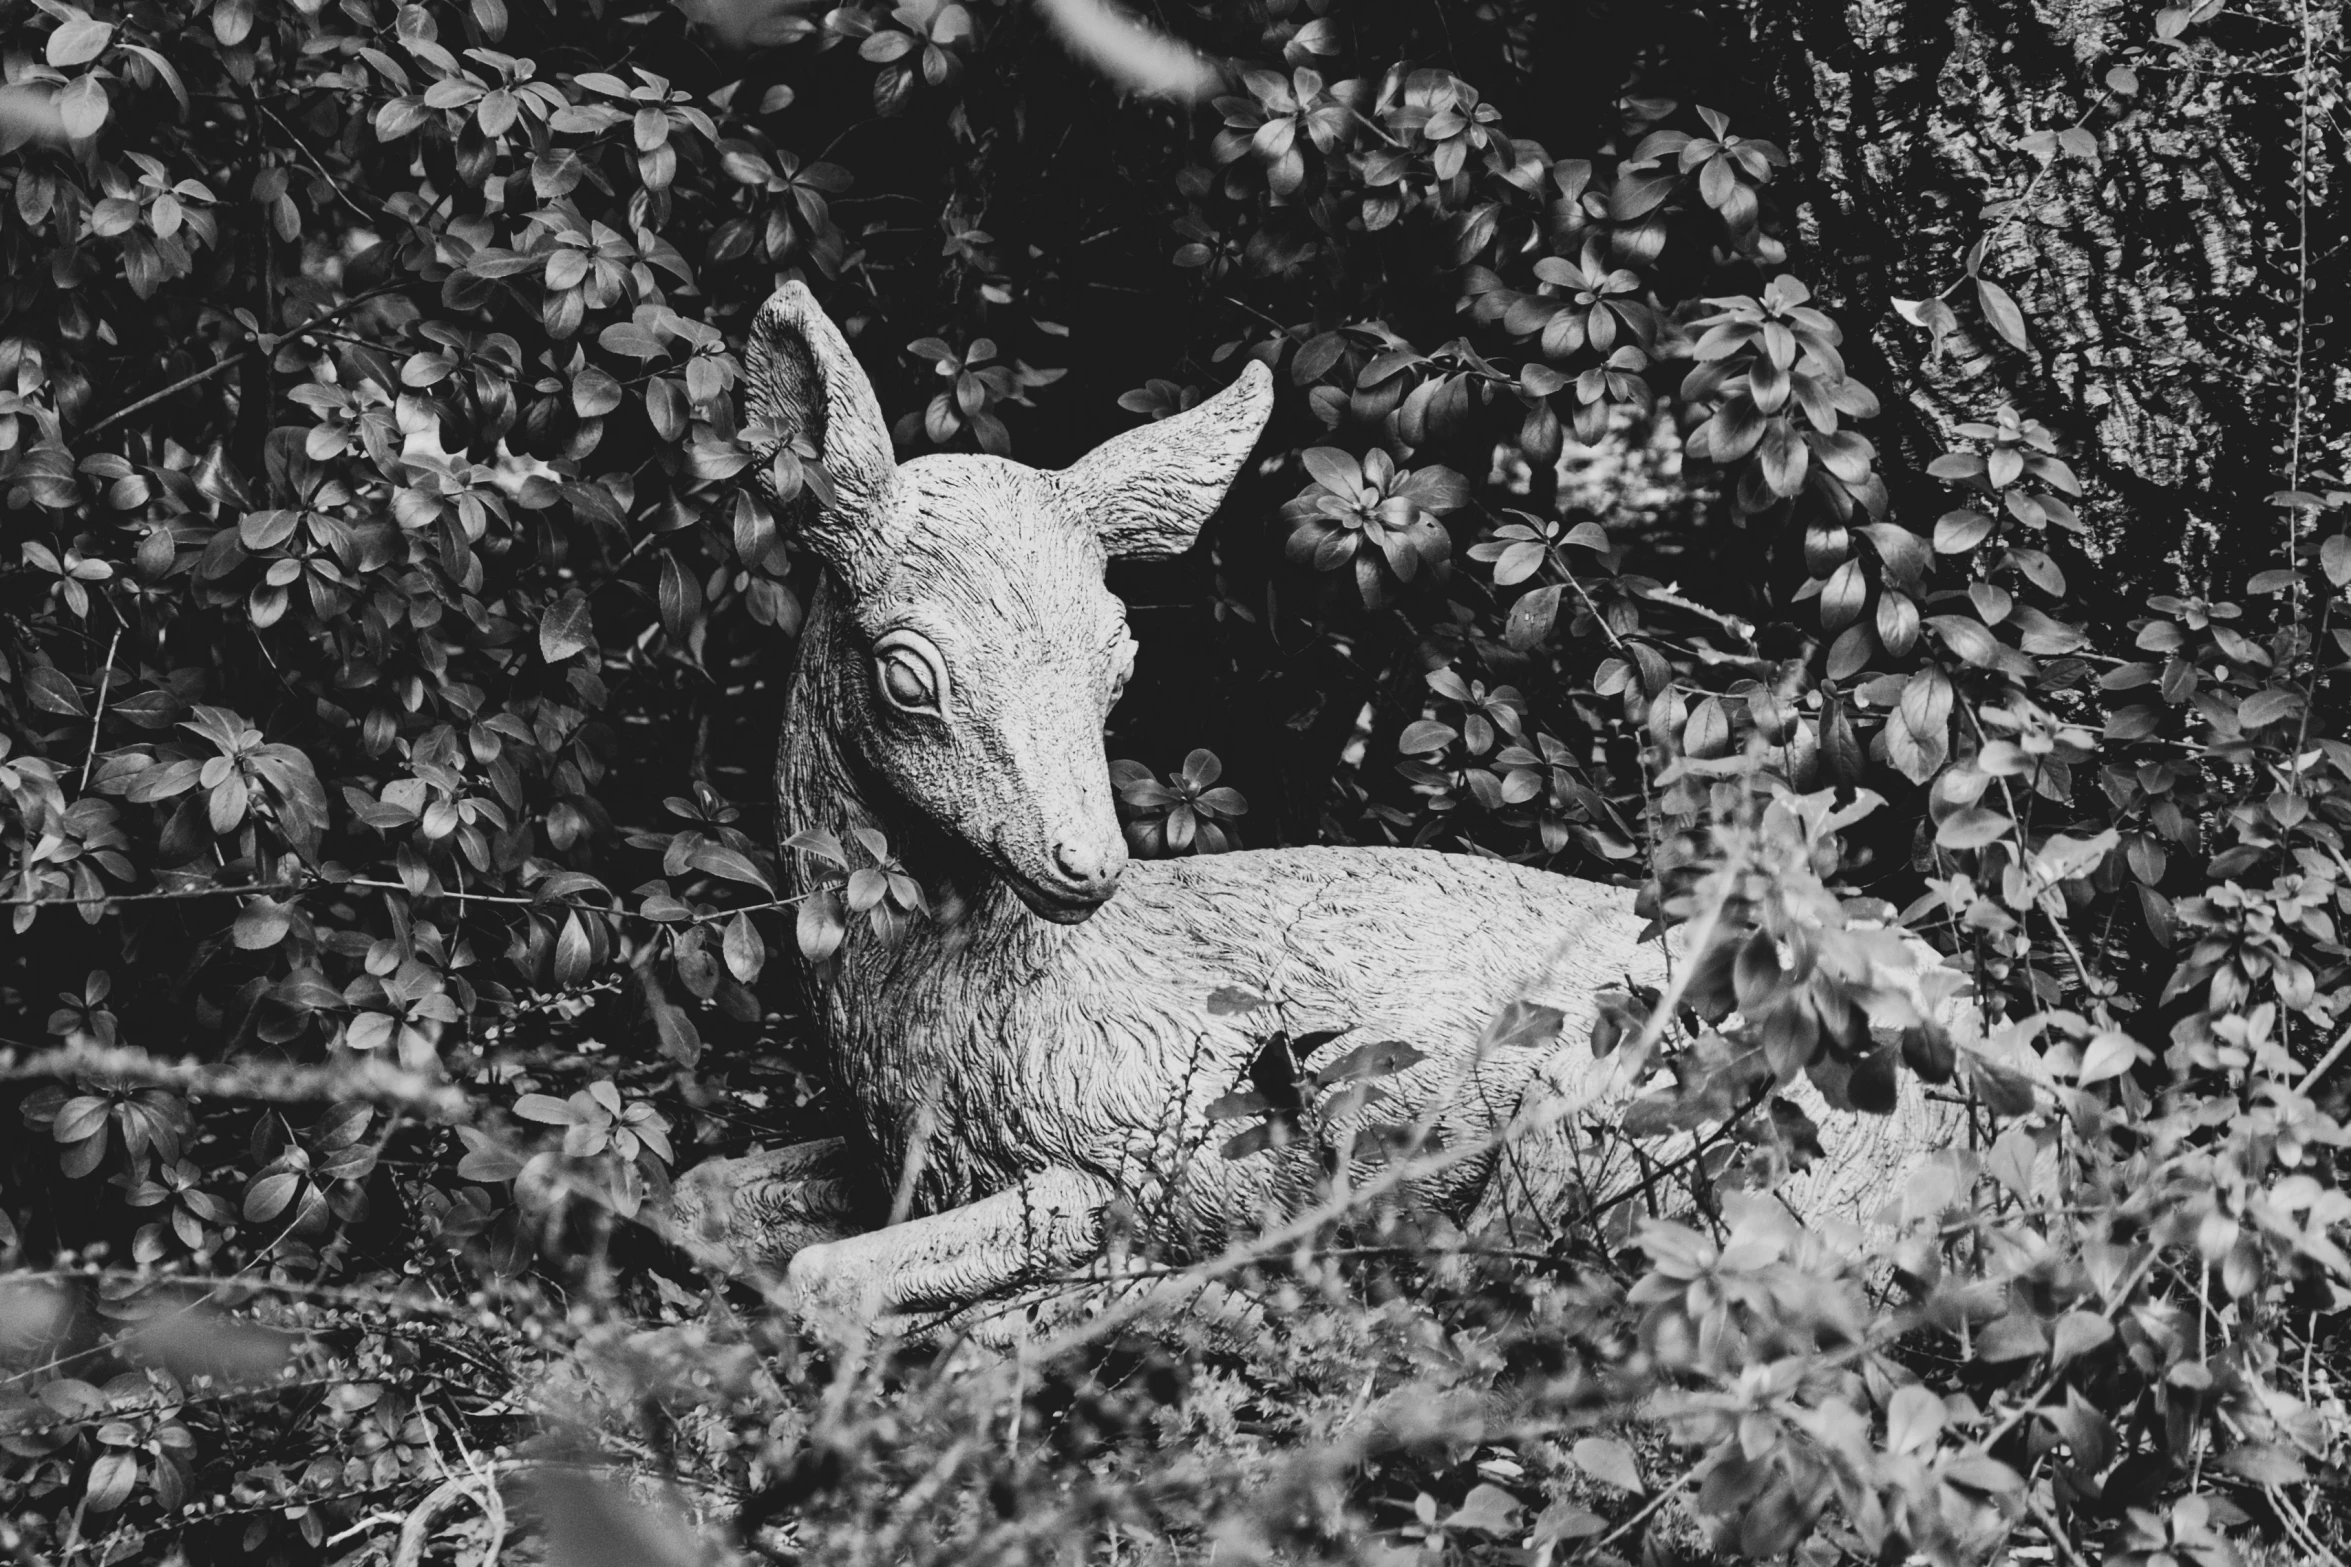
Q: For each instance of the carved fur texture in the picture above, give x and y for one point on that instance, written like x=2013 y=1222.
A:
x=1044 y=1053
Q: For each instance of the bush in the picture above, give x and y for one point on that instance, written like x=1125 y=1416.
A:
x=390 y=633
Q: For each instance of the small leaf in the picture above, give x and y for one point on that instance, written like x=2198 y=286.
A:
x=2000 y=309
x=2079 y=1332
x=2111 y=1054
x=269 y=1195
x=719 y=860
x=1488 y=1509
x=261 y=924
x=1382 y=1059
x=1914 y=1417
x=2017 y=1336
x=1972 y=827
x=2263 y=1463
x=1609 y=1461
x=2334 y=557
x=546 y=1109
x=2267 y=706
x=572 y=953
x=1272 y=1134
x=53 y=692
x=818 y=929
x=1966 y=637
x=83 y=107
x=1424 y=736
x=746 y=954
x=79 y=41
x=112 y=1478
x=566 y=628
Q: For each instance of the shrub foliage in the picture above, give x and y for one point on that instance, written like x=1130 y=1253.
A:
x=391 y=634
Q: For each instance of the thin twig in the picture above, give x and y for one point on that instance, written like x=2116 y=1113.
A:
x=98 y=717
x=2311 y=1077
x=160 y=895
x=235 y=357
x=2057 y=1536
x=267 y=1082
x=241 y=889
x=342 y=193
x=417 y=1530
x=227 y=362
x=1636 y=1520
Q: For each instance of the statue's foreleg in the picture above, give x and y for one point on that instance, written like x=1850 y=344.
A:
x=752 y=1215
x=924 y=1273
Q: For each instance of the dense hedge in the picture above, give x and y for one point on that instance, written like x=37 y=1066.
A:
x=391 y=634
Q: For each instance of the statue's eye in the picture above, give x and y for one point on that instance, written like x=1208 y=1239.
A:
x=908 y=683
x=909 y=679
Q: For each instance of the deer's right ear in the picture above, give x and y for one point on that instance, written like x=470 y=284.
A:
x=804 y=384
x=1148 y=492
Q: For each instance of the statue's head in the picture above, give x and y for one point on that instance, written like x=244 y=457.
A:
x=971 y=589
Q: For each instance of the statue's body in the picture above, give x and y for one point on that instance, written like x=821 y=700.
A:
x=1047 y=1050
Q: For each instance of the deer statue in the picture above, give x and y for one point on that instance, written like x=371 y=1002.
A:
x=1047 y=1058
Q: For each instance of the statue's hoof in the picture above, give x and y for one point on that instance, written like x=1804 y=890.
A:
x=750 y=1216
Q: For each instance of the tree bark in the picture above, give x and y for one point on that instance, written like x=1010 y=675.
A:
x=2157 y=279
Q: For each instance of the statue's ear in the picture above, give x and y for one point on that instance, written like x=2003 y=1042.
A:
x=805 y=387
x=1147 y=492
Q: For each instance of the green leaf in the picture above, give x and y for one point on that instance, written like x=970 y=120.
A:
x=1982 y=1472
x=2334 y=558
x=1232 y=1000
x=719 y=860
x=1967 y=638
x=2017 y=1336
x=2000 y=309
x=1637 y=193
x=1914 y=1417
x=269 y=1195
x=566 y=628
x=1488 y=1509
x=573 y=951
x=2268 y=706
x=1273 y=1134
x=626 y=337
x=489 y=1163
x=594 y=393
x=2110 y=1054
x=2078 y=1332
x=1610 y=1462
x=79 y=1118
x=2265 y=1463
x=262 y=924
x=819 y=927
x=113 y=1476
x=746 y=954
x=53 y=692
x=1382 y=1059
x=78 y=41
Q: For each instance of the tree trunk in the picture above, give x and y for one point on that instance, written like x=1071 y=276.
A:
x=2156 y=262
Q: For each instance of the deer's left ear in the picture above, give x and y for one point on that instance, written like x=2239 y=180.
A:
x=801 y=383
x=1148 y=492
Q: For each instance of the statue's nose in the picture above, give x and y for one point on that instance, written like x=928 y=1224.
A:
x=1078 y=859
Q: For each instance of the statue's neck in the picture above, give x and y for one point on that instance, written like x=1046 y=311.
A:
x=819 y=788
